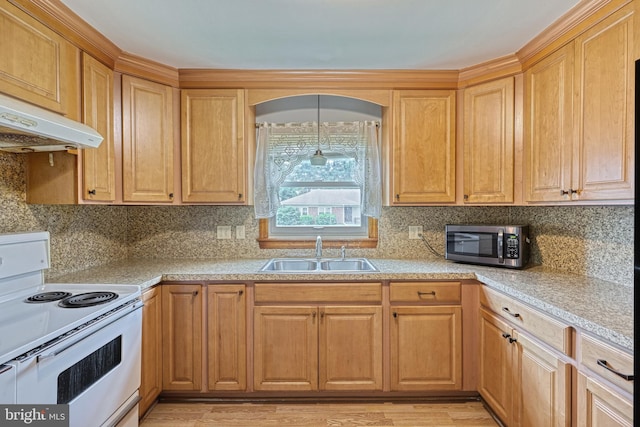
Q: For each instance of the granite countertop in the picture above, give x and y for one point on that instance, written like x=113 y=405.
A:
x=602 y=308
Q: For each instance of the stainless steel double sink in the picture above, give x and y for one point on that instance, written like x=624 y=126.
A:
x=319 y=265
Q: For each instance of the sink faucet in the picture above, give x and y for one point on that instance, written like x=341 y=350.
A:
x=318 y=247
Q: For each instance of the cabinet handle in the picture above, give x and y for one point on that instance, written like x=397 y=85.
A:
x=397 y=197
x=171 y=195
x=92 y=192
x=314 y=314
x=563 y=192
x=572 y=191
x=395 y=315
x=322 y=314
x=512 y=340
x=195 y=293
x=420 y=294
x=466 y=197
x=606 y=366
x=239 y=196
x=240 y=293
x=506 y=310
x=505 y=335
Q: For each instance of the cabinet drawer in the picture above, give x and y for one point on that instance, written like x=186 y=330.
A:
x=318 y=292
x=595 y=353
x=425 y=292
x=550 y=331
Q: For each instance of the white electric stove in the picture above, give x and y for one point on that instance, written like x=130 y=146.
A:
x=64 y=343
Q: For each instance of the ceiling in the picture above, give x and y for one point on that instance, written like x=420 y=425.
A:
x=321 y=34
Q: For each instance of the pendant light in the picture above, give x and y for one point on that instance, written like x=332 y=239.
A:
x=318 y=159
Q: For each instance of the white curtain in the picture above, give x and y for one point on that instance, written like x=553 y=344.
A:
x=281 y=147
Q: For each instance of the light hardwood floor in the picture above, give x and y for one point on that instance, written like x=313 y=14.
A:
x=321 y=414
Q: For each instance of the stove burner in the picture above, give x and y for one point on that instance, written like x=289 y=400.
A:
x=48 y=296
x=87 y=299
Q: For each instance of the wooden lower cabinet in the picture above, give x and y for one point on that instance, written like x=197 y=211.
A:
x=426 y=348
x=226 y=337
x=182 y=308
x=306 y=348
x=151 y=359
x=600 y=406
x=525 y=383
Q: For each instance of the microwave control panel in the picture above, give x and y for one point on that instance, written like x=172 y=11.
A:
x=512 y=246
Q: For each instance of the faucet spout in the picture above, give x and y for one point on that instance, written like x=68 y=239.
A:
x=319 y=247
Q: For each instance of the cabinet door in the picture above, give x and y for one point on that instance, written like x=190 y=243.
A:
x=227 y=337
x=548 y=127
x=496 y=365
x=423 y=147
x=604 y=110
x=543 y=386
x=488 y=142
x=151 y=374
x=600 y=406
x=147 y=141
x=285 y=348
x=37 y=64
x=213 y=147
x=350 y=348
x=182 y=329
x=98 y=164
x=426 y=348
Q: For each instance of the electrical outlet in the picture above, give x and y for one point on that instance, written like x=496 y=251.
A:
x=240 y=232
x=415 y=231
x=223 y=231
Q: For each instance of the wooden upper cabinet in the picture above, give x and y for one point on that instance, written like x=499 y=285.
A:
x=98 y=164
x=213 y=146
x=604 y=109
x=147 y=141
x=578 y=126
x=423 y=147
x=36 y=63
x=489 y=142
x=548 y=127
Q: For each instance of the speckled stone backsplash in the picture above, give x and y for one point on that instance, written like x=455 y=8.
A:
x=81 y=236
x=594 y=241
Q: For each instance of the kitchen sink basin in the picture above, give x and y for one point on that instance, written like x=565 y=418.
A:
x=318 y=265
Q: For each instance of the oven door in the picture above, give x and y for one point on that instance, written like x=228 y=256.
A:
x=95 y=373
x=7 y=384
x=482 y=247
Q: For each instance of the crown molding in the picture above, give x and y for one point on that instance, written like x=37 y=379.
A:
x=491 y=70
x=318 y=79
x=138 y=66
x=566 y=28
x=74 y=29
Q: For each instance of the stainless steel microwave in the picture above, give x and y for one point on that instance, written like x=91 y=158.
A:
x=497 y=245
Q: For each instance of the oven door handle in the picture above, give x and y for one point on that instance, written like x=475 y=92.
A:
x=55 y=353
x=500 y=246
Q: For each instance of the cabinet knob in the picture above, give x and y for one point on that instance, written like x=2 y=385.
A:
x=466 y=197
x=92 y=192
x=239 y=196
x=171 y=195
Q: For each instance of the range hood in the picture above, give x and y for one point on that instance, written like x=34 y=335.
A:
x=25 y=128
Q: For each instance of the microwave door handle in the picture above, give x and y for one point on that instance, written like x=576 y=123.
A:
x=500 y=246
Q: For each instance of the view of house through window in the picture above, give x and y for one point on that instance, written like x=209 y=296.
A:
x=323 y=198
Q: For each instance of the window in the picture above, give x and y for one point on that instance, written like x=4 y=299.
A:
x=320 y=200
x=297 y=201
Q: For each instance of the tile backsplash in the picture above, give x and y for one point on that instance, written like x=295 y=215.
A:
x=595 y=241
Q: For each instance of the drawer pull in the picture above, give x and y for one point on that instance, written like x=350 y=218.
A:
x=506 y=310
x=432 y=293
x=606 y=366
